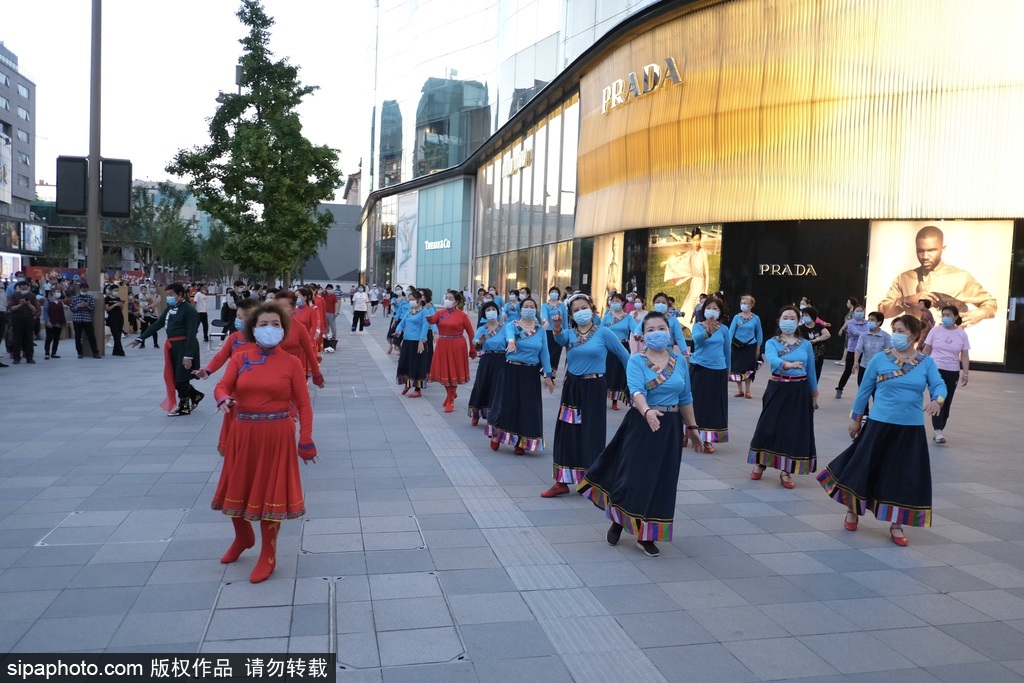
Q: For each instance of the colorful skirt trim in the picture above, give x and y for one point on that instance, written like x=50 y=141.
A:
x=714 y=435
x=785 y=463
x=744 y=363
x=568 y=475
x=710 y=390
x=643 y=529
x=569 y=415
x=527 y=443
x=488 y=369
x=883 y=512
x=516 y=413
x=784 y=435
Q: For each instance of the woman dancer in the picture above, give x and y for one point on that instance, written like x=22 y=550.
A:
x=784 y=436
x=401 y=309
x=413 y=361
x=297 y=340
x=260 y=480
x=661 y=305
x=710 y=375
x=622 y=327
x=490 y=347
x=817 y=334
x=450 y=364
x=855 y=327
x=516 y=416
x=582 y=419
x=949 y=347
x=851 y=303
x=634 y=479
x=553 y=306
x=887 y=467
x=512 y=306
x=747 y=340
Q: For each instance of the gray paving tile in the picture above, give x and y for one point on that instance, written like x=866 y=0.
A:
x=69 y=634
x=511 y=640
x=91 y=602
x=808 y=618
x=976 y=672
x=266 y=594
x=172 y=597
x=470 y=581
x=524 y=670
x=633 y=599
x=488 y=608
x=18 y=579
x=737 y=623
x=710 y=662
x=890 y=582
x=411 y=613
x=250 y=622
x=412 y=585
x=353 y=617
x=851 y=653
x=397 y=561
x=160 y=627
x=875 y=613
x=769 y=589
x=311 y=620
x=398 y=648
x=992 y=639
x=454 y=538
x=779 y=658
x=929 y=646
x=454 y=672
x=664 y=629
x=703 y=594
x=249 y=645
x=997 y=604
x=938 y=610
x=464 y=558
x=27 y=605
x=618 y=573
x=55 y=556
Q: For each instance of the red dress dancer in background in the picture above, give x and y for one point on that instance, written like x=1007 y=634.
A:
x=306 y=312
x=260 y=480
x=450 y=366
x=297 y=340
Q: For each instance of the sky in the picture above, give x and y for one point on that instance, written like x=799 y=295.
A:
x=164 y=64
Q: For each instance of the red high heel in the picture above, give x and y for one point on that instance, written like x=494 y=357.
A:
x=494 y=445
x=898 y=540
x=615 y=405
x=268 y=552
x=848 y=525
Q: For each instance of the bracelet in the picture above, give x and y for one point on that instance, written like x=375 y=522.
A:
x=646 y=411
x=692 y=428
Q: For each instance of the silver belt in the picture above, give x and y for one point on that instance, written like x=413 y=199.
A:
x=665 y=409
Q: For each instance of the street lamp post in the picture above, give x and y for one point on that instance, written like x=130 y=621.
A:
x=93 y=236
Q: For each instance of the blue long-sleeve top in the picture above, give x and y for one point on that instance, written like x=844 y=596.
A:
x=897 y=388
x=500 y=301
x=622 y=327
x=548 y=310
x=491 y=343
x=530 y=350
x=746 y=331
x=775 y=352
x=414 y=326
x=674 y=391
x=511 y=311
x=431 y=310
x=590 y=357
x=401 y=309
x=711 y=351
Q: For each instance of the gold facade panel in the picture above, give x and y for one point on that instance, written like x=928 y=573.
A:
x=808 y=109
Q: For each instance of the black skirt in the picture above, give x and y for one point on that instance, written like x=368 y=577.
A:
x=615 y=374
x=744 y=362
x=634 y=479
x=516 y=416
x=711 y=402
x=581 y=426
x=413 y=366
x=784 y=436
x=391 y=338
x=886 y=470
x=487 y=371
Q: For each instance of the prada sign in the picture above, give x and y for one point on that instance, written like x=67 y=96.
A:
x=794 y=269
x=651 y=78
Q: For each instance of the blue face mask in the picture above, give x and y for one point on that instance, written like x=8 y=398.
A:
x=900 y=342
x=583 y=316
x=807 y=320
x=872 y=326
x=172 y=301
x=528 y=314
x=787 y=326
x=657 y=340
x=553 y=296
x=491 y=314
x=616 y=306
x=858 y=315
x=947 y=322
x=661 y=308
x=744 y=307
x=268 y=337
x=239 y=324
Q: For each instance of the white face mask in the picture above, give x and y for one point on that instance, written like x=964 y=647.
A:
x=448 y=303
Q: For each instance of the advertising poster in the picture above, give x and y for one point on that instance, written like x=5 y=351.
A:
x=9 y=265
x=32 y=237
x=406 y=239
x=607 y=271
x=684 y=262
x=6 y=177
x=962 y=263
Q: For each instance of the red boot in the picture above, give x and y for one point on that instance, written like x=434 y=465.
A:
x=449 y=401
x=244 y=539
x=268 y=551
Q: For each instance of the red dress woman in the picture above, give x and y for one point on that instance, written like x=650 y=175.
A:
x=260 y=480
x=450 y=366
x=308 y=314
x=298 y=342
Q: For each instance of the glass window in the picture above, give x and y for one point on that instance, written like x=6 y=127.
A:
x=24 y=158
x=526 y=236
x=23 y=91
x=23 y=114
x=24 y=181
x=4 y=79
x=22 y=135
x=515 y=201
x=552 y=190
x=5 y=103
x=539 y=172
x=570 y=143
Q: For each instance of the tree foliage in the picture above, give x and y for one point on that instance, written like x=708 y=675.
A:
x=259 y=175
x=156 y=232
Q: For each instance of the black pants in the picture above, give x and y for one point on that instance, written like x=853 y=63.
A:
x=358 y=317
x=21 y=336
x=52 y=340
x=847 y=371
x=90 y=335
x=819 y=363
x=185 y=390
x=146 y=322
x=116 y=332
x=951 y=378
x=133 y=322
x=204 y=320
x=554 y=351
x=3 y=327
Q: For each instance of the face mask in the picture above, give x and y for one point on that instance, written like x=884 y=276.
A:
x=239 y=324
x=522 y=296
x=529 y=314
x=513 y=297
x=744 y=307
x=807 y=320
x=491 y=314
x=398 y=293
x=172 y=301
x=23 y=291
x=787 y=326
x=448 y=303
x=58 y=295
x=616 y=306
x=268 y=337
x=492 y=292
x=661 y=308
x=553 y=296
x=900 y=342
x=488 y=299
x=711 y=314
x=298 y=301
x=946 y=322
x=858 y=315
x=872 y=325
x=803 y=306
x=657 y=340
x=583 y=316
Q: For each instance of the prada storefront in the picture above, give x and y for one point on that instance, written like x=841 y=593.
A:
x=785 y=148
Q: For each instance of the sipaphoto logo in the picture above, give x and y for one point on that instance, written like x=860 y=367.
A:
x=439 y=244
x=795 y=269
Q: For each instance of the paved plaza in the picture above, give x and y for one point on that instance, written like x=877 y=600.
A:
x=425 y=556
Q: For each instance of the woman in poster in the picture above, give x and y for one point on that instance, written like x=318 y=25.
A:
x=450 y=364
x=784 y=436
x=623 y=327
x=887 y=468
x=639 y=493
x=747 y=339
x=490 y=347
x=709 y=372
x=947 y=344
x=581 y=426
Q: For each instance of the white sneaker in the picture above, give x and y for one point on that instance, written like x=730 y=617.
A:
x=939 y=438
x=838 y=362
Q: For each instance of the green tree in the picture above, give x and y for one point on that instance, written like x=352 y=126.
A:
x=156 y=232
x=259 y=175
x=57 y=251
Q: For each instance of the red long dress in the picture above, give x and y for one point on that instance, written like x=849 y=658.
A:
x=236 y=343
x=309 y=316
x=450 y=365
x=298 y=343
x=260 y=476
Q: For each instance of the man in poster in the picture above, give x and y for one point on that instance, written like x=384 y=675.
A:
x=938 y=282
